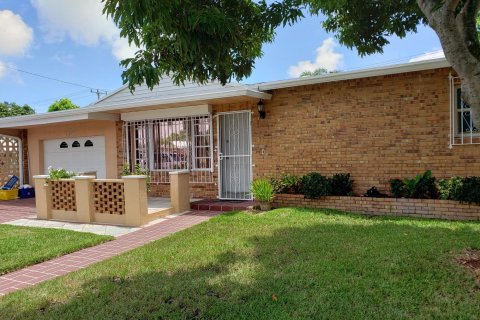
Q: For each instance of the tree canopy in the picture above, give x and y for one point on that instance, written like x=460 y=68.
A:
x=204 y=40
x=316 y=72
x=62 y=104
x=11 y=109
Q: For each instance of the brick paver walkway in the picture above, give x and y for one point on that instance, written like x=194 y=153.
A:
x=71 y=262
x=16 y=209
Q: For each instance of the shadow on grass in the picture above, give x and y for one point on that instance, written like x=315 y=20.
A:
x=384 y=269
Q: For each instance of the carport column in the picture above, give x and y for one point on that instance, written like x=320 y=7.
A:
x=136 y=205
x=84 y=198
x=180 y=190
x=43 y=197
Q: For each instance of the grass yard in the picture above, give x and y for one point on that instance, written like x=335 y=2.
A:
x=285 y=264
x=24 y=246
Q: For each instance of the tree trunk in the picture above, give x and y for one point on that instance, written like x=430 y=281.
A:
x=460 y=44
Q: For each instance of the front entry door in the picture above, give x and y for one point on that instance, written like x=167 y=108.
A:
x=234 y=155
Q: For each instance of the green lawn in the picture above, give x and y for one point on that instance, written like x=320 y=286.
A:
x=285 y=264
x=24 y=246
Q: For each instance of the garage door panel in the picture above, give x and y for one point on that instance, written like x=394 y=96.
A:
x=79 y=159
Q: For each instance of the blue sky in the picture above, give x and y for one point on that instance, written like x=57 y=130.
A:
x=69 y=40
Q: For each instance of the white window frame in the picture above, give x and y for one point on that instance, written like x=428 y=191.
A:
x=193 y=150
x=457 y=136
x=461 y=110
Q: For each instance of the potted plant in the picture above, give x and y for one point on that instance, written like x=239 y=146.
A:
x=58 y=174
x=262 y=191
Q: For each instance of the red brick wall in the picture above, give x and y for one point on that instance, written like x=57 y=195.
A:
x=421 y=208
x=375 y=128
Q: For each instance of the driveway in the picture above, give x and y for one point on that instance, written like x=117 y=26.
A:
x=16 y=209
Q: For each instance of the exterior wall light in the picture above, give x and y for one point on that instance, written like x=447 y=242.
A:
x=261 y=109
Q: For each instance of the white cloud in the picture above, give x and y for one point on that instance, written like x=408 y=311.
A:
x=326 y=58
x=2 y=69
x=81 y=21
x=435 y=54
x=8 y=72
x=65 y=59
x=122 y=50
x=15 y=35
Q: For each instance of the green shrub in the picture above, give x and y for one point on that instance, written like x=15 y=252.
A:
x=57 y=174
x=470 y=190
x=397 y=188
x=262 y=190
x=423 y=186
x=341 y=184
x=314 y=186
x=450 y=189
x=287 y=183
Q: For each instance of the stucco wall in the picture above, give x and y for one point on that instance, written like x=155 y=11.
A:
x=37 y=135
x=11 y=132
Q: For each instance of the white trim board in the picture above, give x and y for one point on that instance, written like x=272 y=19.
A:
x=56 y=117
x=167 y=113
x=357 y=74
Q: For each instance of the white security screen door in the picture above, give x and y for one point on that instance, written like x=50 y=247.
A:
x=234 y=155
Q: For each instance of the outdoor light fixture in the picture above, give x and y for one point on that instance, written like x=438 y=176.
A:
x=261 y=109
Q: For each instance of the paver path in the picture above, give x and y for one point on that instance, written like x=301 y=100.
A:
x=32 y=275
x=16 y=209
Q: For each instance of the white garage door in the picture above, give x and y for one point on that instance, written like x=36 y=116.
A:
x=82 y=154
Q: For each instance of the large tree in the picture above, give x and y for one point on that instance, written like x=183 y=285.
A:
x=11 y=109
x=203 y=40
x=62 y=104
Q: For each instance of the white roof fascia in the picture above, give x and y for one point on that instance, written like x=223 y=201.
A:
x=365 y=73
x=55 y=117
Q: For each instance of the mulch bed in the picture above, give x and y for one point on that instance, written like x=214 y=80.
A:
x=470 y=259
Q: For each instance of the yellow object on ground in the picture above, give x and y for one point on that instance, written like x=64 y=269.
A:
x=9 y=194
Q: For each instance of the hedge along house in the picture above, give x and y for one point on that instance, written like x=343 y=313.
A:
x=376 y=124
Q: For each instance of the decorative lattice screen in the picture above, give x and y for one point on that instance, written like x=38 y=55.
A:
x=109 y=197
x=10 y=154
x=63 y=195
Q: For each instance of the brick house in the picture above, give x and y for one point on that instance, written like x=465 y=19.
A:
x=376 y=124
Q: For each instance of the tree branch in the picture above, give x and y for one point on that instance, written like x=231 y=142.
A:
x=451 y=5
x=466 y=22
x=427 y=6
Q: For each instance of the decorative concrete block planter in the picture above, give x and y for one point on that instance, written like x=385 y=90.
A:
x=423 y=208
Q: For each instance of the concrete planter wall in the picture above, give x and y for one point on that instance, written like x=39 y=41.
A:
x=423 y=208
x=123 y=201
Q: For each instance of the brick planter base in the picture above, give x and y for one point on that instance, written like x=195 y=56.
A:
x=424 y=208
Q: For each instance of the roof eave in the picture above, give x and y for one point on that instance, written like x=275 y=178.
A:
x=21 y=122
x=365 y=73
x=101 y=112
